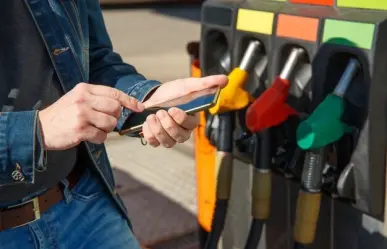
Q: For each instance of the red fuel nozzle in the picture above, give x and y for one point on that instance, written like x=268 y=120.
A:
x=270 y=109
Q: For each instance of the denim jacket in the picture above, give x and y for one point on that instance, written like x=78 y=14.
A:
x=78 y=44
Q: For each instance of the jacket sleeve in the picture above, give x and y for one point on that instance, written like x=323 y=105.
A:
x=20 y=152
x=107 y=67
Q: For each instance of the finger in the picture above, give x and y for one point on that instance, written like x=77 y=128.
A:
x=105 y=105
x=175 y=131
x=148 y=136
x=101 y=120
x=197 y=84
x=214 y=81
x=158 y=131
x=113 y=93
x=186 y=121
x=93 y=135
x=182 y=99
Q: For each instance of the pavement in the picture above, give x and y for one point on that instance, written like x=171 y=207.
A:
x=153 y=38
x=156 y=184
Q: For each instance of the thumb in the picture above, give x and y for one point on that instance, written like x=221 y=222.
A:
x=214 y=81
x=197 y=84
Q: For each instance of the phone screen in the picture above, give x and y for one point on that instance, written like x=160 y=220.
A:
x=190 y=103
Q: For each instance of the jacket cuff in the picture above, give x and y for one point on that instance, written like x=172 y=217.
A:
x=140 y=91
x=17 y=147
x=40 y=152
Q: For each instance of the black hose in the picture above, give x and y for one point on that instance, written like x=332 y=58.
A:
x=254 y=234
x=224 y=144
x=217 y=225
x=262 y=150
x=203 y=235
x=209 y=132
x=298 y=246
x=225 y=137
x=262 y=164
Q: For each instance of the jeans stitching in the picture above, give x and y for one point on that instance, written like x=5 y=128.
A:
x=53 y=230
x=36 y=236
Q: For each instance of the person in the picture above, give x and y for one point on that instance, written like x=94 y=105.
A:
x=63 y=89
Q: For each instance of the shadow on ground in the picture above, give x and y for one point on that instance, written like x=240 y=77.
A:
x=187 y=11
x=158 y=222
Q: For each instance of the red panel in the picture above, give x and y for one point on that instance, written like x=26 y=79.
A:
x=314 y=2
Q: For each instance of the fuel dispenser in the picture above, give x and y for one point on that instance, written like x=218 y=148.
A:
x=323 y=127
x=218 y=19
x=232 y=98
x=322 y=120
x=265 y=116
x=267 y=111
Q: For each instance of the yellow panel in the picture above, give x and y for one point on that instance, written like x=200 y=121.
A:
x=255 y=21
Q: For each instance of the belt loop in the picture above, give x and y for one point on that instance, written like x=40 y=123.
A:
x=68 y=197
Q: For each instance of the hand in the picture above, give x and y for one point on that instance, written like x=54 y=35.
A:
x=86 y=113
x=167 y=128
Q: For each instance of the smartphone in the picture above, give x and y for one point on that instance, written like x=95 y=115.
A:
x=190 y=103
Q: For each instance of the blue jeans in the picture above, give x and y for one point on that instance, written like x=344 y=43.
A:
x=86 y=219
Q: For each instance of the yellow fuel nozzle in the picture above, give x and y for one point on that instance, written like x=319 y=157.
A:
x=233 y=96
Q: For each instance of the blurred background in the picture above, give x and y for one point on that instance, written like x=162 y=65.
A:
x=158 y=185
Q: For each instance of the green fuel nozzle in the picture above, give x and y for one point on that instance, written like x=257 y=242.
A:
x=324 y=125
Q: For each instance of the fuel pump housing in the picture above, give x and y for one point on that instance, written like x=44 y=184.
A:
x=354 y=177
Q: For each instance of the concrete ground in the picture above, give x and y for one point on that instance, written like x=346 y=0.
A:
x=157 y=185
x=154 y=38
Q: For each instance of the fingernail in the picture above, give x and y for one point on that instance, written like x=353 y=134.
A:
x=140 y=106
x=151 y=119
x=173 y=111
x=161 y=114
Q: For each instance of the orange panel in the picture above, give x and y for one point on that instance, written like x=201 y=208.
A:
x=303 y=28
x=315 y=2
x=205 y=155
x=195 y=69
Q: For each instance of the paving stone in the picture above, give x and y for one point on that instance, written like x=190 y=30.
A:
x=169 y=171
x=158 y=187
x=125 y=183
x=156 y=218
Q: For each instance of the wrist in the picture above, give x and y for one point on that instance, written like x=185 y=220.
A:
x=41 y=129
x=150 y=93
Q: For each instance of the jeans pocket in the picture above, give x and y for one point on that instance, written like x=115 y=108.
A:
x=88 y=188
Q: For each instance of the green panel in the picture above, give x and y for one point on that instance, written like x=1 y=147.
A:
x=363 y=4
x=279 y=0
x=354 y=34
